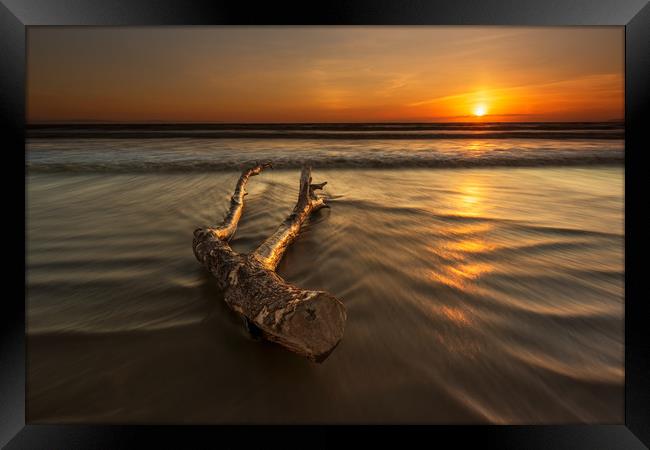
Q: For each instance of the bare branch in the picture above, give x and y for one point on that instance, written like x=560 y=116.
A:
x=270 y=252
x=228 y=227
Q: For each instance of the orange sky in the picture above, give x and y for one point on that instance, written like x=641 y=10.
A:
x=325 y=74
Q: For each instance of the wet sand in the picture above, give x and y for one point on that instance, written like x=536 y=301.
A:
x=473 y=296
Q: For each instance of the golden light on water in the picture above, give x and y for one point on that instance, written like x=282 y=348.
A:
x=460 y=275
x=470 y=202
x=456 y=315
x=471 y=196
x=472 y=246
x=462 y=241
x=469 y=229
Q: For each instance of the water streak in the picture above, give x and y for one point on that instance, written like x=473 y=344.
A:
x=473 y=295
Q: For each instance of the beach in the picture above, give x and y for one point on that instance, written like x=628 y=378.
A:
x=476 y=292
x=472 y=254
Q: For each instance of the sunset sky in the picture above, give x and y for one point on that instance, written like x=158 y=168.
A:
x=325 y=74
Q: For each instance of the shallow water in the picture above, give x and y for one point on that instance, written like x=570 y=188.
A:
x=199 y=155
x=473 y=295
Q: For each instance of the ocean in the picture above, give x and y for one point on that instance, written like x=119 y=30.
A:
x=481 y=265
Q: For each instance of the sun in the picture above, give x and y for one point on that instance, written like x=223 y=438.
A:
x=480 y=110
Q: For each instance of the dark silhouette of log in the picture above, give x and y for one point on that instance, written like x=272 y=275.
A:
x=306 y=322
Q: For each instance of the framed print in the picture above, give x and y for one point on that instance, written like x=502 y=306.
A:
x=274 y=223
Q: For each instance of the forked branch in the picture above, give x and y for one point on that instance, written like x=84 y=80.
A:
x=310 y=323
x=270 y=252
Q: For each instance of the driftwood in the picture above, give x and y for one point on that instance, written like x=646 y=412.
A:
x=309 y=323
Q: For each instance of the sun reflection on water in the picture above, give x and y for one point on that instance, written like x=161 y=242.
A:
x=470 y=204
x=456 y=315
x=460 y=243
x=461 y=276
x=475 y=245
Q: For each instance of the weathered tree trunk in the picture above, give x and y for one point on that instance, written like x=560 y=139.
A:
x=309 y=323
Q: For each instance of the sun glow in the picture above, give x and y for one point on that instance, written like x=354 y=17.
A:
x=480 y=110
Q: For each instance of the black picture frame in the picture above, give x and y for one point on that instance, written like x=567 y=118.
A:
x=17 y=15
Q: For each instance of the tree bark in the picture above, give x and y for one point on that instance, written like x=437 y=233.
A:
x=309 y=323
